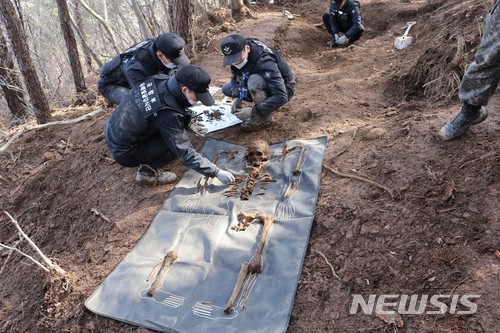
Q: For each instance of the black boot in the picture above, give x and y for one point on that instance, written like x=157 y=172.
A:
x=469 y=115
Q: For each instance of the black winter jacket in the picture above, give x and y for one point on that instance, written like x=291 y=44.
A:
x=273 y=68
x=347 y=19
x=134 y=65
x=133 y=122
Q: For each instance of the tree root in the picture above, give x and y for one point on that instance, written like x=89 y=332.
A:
x=50 y=266
x=61 y=122
x=371 y=182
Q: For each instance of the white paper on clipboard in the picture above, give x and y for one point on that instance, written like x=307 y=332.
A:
x=215 y=117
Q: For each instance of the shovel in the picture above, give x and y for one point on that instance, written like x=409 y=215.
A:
x=405 y=40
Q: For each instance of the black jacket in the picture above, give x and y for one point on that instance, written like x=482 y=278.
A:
x=347 y=19
x=134 y=65
x=135 y=121
x=273 y=68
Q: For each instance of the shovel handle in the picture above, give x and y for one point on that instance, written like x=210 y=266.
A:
x=409 y=25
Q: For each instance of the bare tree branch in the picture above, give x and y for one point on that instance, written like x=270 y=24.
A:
x=61 y=122
x=46 y=260
x=25 y=255
x=104 y=24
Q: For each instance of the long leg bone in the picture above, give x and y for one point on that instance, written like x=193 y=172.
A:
x=239 y=283
x=301 y=158
x=256 y=262
x=167 y=262
x=286 y=150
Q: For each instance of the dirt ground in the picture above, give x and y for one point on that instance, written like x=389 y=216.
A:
x=432 y=230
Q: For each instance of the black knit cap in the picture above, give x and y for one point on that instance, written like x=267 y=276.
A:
x=197 y=80
x=172 y=46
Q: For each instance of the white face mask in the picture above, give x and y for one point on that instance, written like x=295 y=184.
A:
x=186 y=94
x=241 y=64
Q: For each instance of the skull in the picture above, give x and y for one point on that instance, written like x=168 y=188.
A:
x=257 y=153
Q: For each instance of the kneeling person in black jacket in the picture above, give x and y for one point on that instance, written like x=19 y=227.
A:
x=148 y=128
x=344 y=17
x=259 y=75
x=162 y=55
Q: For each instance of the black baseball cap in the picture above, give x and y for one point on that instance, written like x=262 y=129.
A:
x=172 y=46
x=197 y=80
x=231 y=47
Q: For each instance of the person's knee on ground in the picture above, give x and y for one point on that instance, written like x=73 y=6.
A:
x=257 y=87
x=468 y=116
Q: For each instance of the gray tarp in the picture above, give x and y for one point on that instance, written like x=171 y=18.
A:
x=196 y=288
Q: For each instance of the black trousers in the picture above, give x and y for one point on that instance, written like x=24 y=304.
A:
x=326 y=22
x=153 y=152
x=112 y=92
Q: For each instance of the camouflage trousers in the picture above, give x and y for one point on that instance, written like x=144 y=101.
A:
x=483 y=75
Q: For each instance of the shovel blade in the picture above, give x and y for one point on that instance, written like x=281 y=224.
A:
x=402 y=42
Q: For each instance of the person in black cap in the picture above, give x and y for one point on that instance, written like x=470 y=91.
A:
x=344 y=17
x=150 y=57
x=148 y=128
x=259 y=75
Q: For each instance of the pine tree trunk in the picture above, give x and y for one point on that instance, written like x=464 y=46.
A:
x=12 y=87
x=145 y=32
x=79 y=24
x=26 y=66
x=69 y=37
x=181 y=24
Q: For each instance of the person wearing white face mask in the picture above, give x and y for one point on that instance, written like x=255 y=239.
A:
x=258 y=75
x=163 y=55
x=343 y=22
x=149 y=127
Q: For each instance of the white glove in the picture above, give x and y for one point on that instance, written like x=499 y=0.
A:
x=235 y=105
x=342 y=40
x=225 y=177
x=244 y=113
x=198 y=128
x=336 y=38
